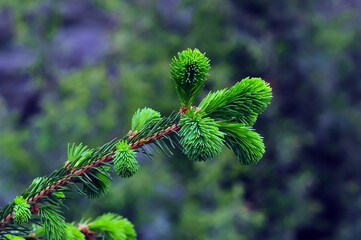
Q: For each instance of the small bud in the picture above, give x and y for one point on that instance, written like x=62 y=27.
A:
x=142 y=118
x=22 y=212
x=125 y=163
x=200 y=137
x=189 y=73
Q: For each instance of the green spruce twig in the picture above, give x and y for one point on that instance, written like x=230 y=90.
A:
x=223 y=118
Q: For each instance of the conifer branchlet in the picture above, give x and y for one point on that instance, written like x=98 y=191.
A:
x=223 y=117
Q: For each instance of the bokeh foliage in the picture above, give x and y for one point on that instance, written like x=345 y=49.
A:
x=57 y=91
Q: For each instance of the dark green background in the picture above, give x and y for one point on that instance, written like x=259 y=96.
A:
x=76 y=71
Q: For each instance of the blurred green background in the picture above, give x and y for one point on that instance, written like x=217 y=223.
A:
x=76 y=70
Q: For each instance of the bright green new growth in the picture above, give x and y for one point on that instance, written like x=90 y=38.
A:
x=22 y=212
x=200 y=137
x=73 y=233
x=242 y=103
x=76 y=153
x=113 y=227
x=189 y=73
x=143 y=117
x=109 y=226
x=233 y=111
x=10 y=237
x=245 y=143
x=125 y=163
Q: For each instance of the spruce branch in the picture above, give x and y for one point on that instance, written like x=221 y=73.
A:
x=242 y=103
x=108 y=226
x=223 y=118
x=244 y=141
x=75 y=174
